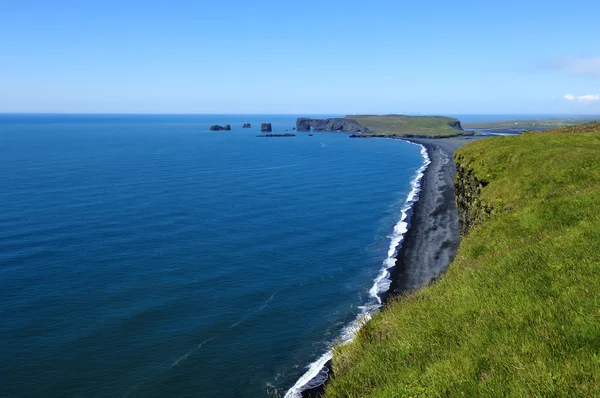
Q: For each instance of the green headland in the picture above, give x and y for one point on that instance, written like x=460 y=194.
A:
x=403 y=125
x=517 y=313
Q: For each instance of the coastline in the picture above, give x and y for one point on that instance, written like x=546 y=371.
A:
x=433 y=235
x=430 y=237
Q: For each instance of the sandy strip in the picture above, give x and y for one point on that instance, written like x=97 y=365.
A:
x=433 y=237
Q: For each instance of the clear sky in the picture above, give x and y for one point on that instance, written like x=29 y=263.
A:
x=416 y=57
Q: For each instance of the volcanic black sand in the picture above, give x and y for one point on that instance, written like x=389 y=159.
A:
x=433 y=234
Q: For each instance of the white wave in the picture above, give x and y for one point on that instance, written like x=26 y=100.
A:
x=189 y=352
x=257 y=311
x=316 y=374
x=382 y=282
x=267 y=302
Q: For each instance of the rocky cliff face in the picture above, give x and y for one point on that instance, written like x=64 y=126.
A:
x=335 y=124
x=455 y=124
x=472 y=210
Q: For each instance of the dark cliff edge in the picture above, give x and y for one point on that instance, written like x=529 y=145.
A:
x=216 y=127
x=472 y=211
x=334 y=124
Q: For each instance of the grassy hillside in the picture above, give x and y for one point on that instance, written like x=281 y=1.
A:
x=414 y=125
x=518 y=311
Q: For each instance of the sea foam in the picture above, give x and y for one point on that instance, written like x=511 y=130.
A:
x=317 y=371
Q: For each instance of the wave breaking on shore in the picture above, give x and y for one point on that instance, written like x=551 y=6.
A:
x=318 y=370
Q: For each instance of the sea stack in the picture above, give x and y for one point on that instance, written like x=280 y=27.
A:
x=265 y=127
x=246 y=126
x=216 y=127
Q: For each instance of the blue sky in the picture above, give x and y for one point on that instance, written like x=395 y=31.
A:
x=417 y=57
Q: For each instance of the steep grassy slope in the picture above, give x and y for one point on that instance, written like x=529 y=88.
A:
x=409 y=125
x=518 y=311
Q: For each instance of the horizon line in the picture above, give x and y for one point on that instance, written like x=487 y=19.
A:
x=294 y=114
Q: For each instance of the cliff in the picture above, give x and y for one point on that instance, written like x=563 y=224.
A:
x=472 y=210
x=216 y=127
x=517 y=311
x=335 y=124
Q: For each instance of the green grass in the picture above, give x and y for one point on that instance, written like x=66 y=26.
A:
x=539 y=123
x=403 y=125
x=518 y=311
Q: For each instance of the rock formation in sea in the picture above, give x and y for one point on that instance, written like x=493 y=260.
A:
x=266 y=127
x=246 y=126
x=334 y=124
x=216 y=127
x=277 y=135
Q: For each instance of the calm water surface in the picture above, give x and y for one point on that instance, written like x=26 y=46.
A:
x=148 y=256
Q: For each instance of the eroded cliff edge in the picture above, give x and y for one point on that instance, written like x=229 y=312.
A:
x=472 y=210
x=332 y=124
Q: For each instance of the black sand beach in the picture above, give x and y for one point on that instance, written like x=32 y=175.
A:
x=433 y=234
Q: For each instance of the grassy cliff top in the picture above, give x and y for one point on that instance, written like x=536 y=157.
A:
x=518 y=311
x=413 y=125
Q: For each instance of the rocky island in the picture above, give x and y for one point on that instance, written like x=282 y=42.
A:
x=216 y=127
x=266 y=127
x=246 y=126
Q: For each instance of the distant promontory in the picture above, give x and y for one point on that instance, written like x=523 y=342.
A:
x=386 y=125
x=334 y=124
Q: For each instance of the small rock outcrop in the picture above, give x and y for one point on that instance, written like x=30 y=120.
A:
x=277 y=135
x=335 y=124
x=246 y=126
x=266 y=127
x=216 y=127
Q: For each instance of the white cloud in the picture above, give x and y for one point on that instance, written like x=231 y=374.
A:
x=589 y=66
x=583 y=98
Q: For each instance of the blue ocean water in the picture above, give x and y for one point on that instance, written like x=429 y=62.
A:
x=149 y=256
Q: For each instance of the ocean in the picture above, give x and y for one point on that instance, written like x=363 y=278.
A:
x=144 y=255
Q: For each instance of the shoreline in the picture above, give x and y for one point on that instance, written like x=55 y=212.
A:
x=432 y=235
